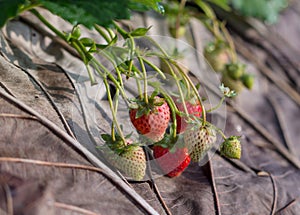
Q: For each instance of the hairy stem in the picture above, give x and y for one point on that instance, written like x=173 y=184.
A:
x=195 y=91
x=230 y=42
x=178 y=85
x=154 y=67
x=177 y=24
x=102 y=33
x=217 y=106
x=145 y=78
x=113 y=112
x=48 y=24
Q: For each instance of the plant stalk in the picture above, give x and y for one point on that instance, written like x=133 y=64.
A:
x=50 y=26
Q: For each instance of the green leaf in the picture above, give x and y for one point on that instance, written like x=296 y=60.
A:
x=106 y=137
x=10 y=9
x=142 y=5
x=87 y=42
x=266 y=10
x=140 y=112
x=139 y=32
x=88 y=13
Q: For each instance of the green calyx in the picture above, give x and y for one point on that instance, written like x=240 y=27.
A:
x=187 y=93
x=170 y=142
x=117 y=145
x=235 y=77
x=146 y=107
x=215 y=47
x=231 y=148
x=235 y=70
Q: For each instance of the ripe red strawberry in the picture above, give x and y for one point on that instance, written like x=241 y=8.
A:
x=129 y=158
x=192 y=108
x=172 y=163
x=199 y=140
x=152 y=120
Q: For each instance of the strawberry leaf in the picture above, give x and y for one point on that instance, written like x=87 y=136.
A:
x=139 y=32
x=266 y=10
x=10 y=9
x=143 y=5
x=106 y=137
x=140 y=112
x=88 y=13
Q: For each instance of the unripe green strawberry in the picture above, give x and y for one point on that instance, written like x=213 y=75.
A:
x=132 y=162
x=129 y=158
x=248 y=80
x=199 y=140
x=235 y=85
x=217 y=55
x=235 y=70
x=231 y=148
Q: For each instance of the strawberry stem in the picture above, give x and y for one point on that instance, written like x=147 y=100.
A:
x=110 y=32
x=86 y=57
x=177 y=25
x=113 y=111
x=217 y=106
x=173 y=108
x=178 y=85
x=230 y=42
x=51 y=27
x=102 y=33
x=145 y=79
x=155 y=68
x=97 y=64
x=194 y=89
x=219 y=131
x=138 y=83
x=115 y=67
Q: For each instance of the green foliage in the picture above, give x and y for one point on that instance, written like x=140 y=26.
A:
x=139 y=32
x=142 y=5
x=88 y=13
x=10 y=9
x=266 y=10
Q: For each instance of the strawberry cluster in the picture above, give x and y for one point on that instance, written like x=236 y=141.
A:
x=221 y=57
x=173 y=149
x=172 y=124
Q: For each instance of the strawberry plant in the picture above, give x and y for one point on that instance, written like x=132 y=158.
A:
x=220 y=53
x=154 y=115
